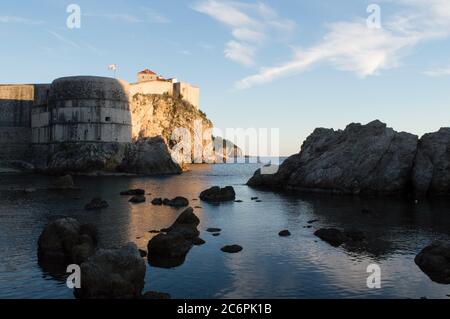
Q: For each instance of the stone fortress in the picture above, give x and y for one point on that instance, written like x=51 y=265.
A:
x=81 y=109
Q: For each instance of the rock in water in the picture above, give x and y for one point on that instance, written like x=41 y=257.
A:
x=66 y=241
x=64 y=182
x=284 y=233
x=137 y=199
x=149 y=156
x=176 y=202
x=157 y=201
x=434 y=261
x=96 y=203
x=362 y=159
x=169 y=249
x=231 y=249
x=216 y=194
x=133 y=192
x=431 y=174
x=113 y=274
x=331 y=235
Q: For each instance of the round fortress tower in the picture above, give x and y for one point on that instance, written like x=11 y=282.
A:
x=84 y=109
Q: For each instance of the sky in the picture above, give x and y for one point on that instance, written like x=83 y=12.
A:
x=291 y=65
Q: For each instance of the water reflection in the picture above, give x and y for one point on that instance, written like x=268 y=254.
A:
x=301 y=266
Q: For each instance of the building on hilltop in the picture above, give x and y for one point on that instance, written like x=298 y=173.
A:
x=148 y=82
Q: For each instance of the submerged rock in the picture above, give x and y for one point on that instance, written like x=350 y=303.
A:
x=169 y=249
x=431 y=173
x=96 y=203
x=352 y=238
x=331 y=235
x=133 y=192
x=113 y=274
x=362 y=159
x=434 y=260
x=63 y=182
x=216 y=194
x=66 y=241
x=231 y=249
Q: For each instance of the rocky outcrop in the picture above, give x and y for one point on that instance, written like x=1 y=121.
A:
x=63 y=182
x=169 y=249
x=434 y=260
x=149 y=156
x=178 y=201
x=66 y=241
x=133 y=192
x=216 y=194
x=113 y=274
x=362 y=159
x=431 y=174
x=70 y=158
x=231 y=249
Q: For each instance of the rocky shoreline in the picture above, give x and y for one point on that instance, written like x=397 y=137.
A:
x=367 y=159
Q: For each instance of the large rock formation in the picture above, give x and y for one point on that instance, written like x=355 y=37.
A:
x=149 y=156
x=66 y=241
x=362 y=159
x=113 y=274
x=431 y=174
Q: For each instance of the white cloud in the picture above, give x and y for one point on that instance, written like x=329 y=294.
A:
x=352 y=46
x=438 y=72
x=240 y=52
x=252 y=25
x=19 y=20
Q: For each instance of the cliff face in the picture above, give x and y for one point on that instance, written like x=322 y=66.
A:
x=168 y=117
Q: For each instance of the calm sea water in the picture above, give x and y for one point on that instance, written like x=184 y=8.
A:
x=300 y=266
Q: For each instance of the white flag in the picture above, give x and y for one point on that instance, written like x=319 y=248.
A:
x=112 y=67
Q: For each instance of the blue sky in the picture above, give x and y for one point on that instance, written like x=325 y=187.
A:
x=288 y=64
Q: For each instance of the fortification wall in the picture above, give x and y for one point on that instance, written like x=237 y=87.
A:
x=84 y=109
x=152 y=87
x=189 y=93
x=16 y=102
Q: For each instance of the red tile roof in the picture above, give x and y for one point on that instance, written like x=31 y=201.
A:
x=147 y=71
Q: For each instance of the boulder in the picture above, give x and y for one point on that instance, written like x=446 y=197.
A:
x=231 y=249
x=431 y=173
x=113 y=274
x=137 y=199
x=434 y=260
x=66 y=241
x=133 y=192
x=96 y=204
x=362 y=159
x=176 y=202
x=169 y=249
x=284 y=233
x=63 y=182
x=216 y=194
x=157 y=201
x=149 y=156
